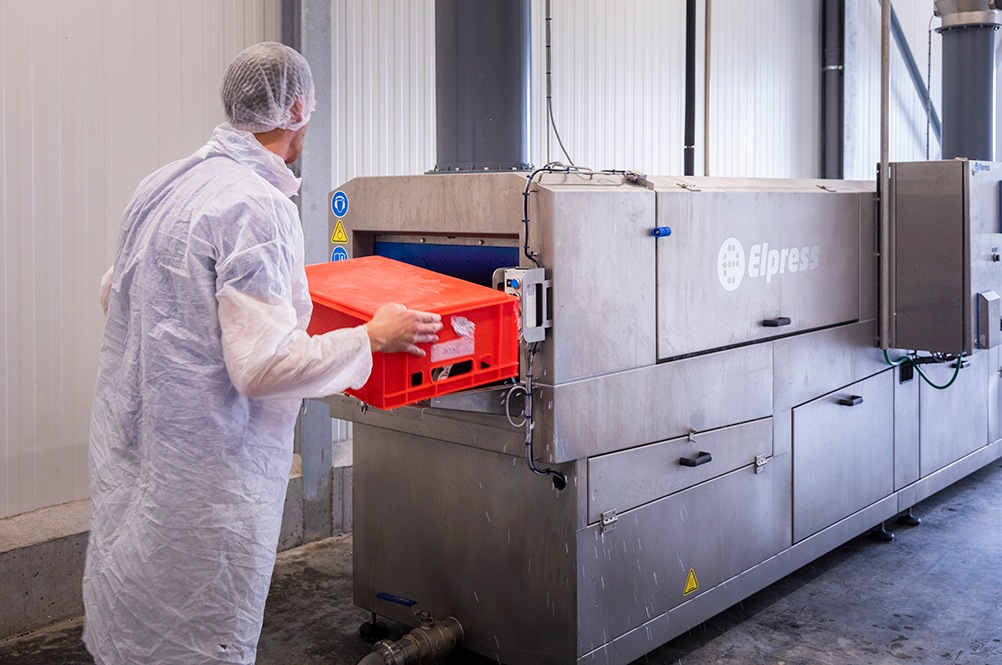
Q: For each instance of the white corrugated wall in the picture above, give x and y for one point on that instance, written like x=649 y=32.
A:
x=618 y=83
x=384 y=87
x=618 y=86
x=907 y=116
x=93 y=96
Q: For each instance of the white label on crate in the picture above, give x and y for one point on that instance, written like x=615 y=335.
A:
x=456 y=348
x=463 y=326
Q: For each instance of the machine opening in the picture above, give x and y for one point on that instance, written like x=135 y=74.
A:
x=473 y=259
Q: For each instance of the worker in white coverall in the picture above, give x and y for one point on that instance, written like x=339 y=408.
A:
x=204 y=364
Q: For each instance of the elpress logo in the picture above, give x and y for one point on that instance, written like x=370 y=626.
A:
x=762 y=262
x=731 y=263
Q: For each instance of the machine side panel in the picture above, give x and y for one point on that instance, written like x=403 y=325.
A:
x=994 y=394
x=986 y=251
x=953 y=422
x=677 y=548
x=906 y=428
x=597 y=244
x=843 y=453
x=653 y=403
x=868 y=256
x=479 y=204
x=820 y=362
x=929 y=257
x=626 y=479
x=745 y=266
x=466 y=533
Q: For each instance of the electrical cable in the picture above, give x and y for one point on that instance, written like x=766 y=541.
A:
x=551 y=124
x=928 y=85
x=559 y=479
x=507 y=405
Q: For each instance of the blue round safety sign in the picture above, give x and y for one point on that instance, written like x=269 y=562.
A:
x=339 y=254
x=339 y=203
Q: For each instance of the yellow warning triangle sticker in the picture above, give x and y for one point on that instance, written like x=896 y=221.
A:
x=691 y=584
x=339 y=236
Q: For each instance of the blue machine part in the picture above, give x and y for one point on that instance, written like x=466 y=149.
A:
x=474 y=263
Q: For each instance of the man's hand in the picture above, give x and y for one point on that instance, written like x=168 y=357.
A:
x=396 y=328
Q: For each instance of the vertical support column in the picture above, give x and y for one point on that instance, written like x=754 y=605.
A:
x=306 y=26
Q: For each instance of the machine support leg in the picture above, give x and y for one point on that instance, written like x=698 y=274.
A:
x=881 y=535
x=908 y=519
x=373 y=630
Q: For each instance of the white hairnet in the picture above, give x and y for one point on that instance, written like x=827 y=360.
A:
x=262 y=84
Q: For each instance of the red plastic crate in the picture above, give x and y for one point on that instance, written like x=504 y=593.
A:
x=478 y=343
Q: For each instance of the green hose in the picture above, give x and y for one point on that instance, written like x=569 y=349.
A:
x=906 y=359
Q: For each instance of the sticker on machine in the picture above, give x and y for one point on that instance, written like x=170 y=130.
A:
x=339 y=237
x=691 y=584
x=339 y=203
x=459 y=347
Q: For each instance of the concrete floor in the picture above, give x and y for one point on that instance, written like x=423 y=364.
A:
x=934 y=595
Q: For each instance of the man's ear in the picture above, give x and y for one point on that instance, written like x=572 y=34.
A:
x=297 y=109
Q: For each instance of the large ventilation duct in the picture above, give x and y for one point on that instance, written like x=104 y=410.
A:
x=482 y=59
x=968 y=29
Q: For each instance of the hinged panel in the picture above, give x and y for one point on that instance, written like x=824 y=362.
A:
x=629 y=478
x=741 y=266
x=710 y=532
x=843 y=453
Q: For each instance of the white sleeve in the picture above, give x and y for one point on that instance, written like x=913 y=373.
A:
x=266 y=355
x=106 y=280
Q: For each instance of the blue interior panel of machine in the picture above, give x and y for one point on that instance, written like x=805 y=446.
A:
x=474 y=263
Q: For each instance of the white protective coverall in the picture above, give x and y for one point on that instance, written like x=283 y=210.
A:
x=203 y=366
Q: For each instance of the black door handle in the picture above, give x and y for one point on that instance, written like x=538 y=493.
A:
x=851 y=400
x=778 y=322
x=702 y=458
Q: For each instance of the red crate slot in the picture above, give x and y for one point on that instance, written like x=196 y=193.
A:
x=478 y=343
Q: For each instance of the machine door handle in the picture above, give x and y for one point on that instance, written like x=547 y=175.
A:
x=851 y=400
x=702 y=458
x=778 y=322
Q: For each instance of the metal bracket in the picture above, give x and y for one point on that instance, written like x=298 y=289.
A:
x=609 y=520
x=691 y=436
x=532 y=289
x=760 y=462
x=688 y=187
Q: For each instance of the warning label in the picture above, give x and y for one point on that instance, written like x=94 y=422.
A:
x=691 y=584
x=339 y=237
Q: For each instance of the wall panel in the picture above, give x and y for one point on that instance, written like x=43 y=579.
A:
x=907 y=115
x=383 y=78
x=94 y=95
